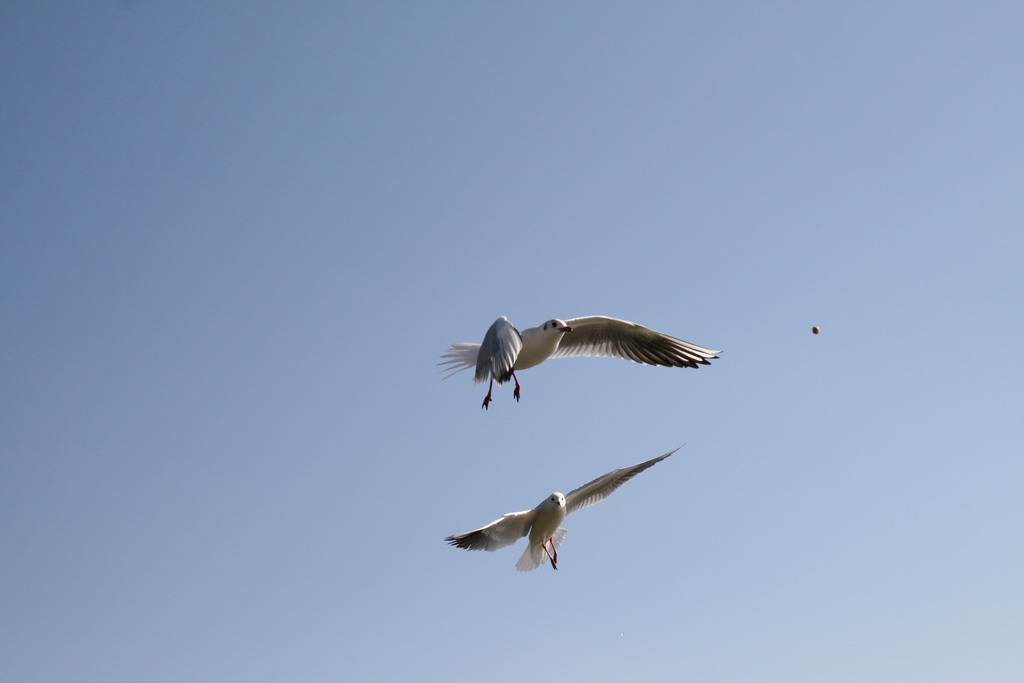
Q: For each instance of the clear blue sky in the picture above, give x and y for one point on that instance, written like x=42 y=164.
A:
x=237 y=236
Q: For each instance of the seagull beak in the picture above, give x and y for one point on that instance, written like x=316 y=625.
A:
x=566 y=329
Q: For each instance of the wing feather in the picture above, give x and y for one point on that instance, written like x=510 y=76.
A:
x=599 y=335
x=498 y=352
x=500 y=533
x=602 y=487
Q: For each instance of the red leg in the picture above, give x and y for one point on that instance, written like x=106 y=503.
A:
x=487 y=398
x=515 y=392
x=552 y=560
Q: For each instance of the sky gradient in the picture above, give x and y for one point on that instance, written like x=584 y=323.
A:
x=236 y=239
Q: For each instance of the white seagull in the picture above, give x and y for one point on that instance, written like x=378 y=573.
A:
x=541 y=523
x=505 y=349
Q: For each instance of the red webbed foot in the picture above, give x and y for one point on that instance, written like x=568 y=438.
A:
x=487 y=398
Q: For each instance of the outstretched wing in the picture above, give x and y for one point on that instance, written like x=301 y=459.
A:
x=498 y=352
x=598 y=335
x=498 y=534
x=602 y=487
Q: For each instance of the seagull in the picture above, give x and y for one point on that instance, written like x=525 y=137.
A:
x=505 y=349
x=541 y=523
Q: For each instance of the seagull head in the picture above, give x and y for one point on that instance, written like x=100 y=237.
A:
x=556 y=325
x=555 y=500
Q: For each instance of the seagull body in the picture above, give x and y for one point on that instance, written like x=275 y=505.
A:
x=506 y=349
x=543 y=522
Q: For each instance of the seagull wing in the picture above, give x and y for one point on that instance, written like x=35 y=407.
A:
x=498 y=352
x=598 y=335
x=602 y=487
x=498 y=534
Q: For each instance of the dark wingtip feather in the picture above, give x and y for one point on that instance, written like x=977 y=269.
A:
x=465 y=541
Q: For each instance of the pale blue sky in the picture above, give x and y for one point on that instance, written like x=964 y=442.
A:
x=237 y=236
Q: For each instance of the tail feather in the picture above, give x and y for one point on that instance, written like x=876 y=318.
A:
x=534 y=555
x=461 y=356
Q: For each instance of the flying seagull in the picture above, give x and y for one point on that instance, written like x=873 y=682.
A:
x=505 y=349
x=541 y=523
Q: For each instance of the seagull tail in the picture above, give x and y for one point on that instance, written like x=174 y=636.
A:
x=461 y=356
x=535 y=555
